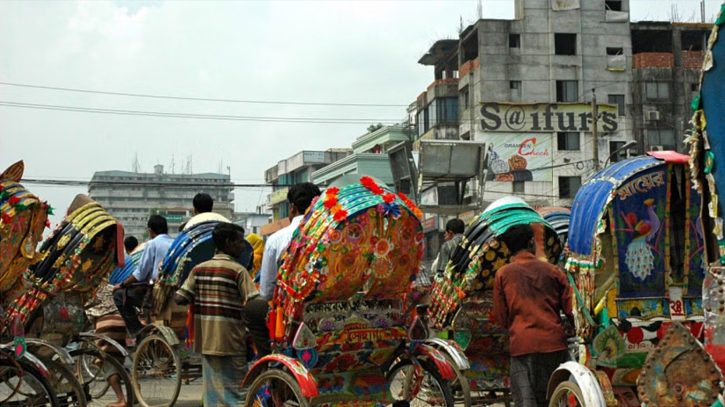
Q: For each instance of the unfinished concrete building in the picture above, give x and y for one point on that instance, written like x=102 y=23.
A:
x=667 y=60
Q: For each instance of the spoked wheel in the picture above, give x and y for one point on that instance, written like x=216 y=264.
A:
x=22 y=385
x=275 y=388
x=156 y=373
x=459 y=386
x=420 y=387
x=65 y=385
x=95 y=369
x=567 y=394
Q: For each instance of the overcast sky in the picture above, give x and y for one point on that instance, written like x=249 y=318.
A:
x=300 y=51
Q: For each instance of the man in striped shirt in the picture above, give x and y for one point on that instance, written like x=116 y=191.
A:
x=218 y=290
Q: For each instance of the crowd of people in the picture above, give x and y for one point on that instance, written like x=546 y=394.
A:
x=229 y=301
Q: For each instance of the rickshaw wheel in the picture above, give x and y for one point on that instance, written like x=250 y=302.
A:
x=567 y=394
x=156 y=373
x=94 y=378
x=275 y=388
x=434 y=391
x=65 y=385
x=21 y=385
x=459 y=386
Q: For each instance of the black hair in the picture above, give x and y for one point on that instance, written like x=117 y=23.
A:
x=130 y=243
x=182 y=226
x=517 y=237
x=224 y=232
x=456 y=226
x=203 y=203
x=158 y=224
x=301 y=195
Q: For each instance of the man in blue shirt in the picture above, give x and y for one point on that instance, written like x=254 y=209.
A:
x=128 y=298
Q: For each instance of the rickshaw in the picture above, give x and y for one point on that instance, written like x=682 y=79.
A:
x=338 y=328
x=558 y=217
x=462 y=298
x=23 y=377
x=164 y=356
x=636 y=264
x=74 y=260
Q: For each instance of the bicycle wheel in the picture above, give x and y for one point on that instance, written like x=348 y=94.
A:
x=156 y=373
x=94 y=369
x=459 y=386
x=567 y=394
x=65 y=385
x=433 y=390
x=21 y=385
x=275 y=388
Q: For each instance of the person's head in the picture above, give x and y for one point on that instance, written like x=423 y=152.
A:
x=454 y=227
x=130 y=243
x=203 y=203
x=256 y=241
x=157 y=226
x=520 y=238
x=300 y=197
x=228 y=238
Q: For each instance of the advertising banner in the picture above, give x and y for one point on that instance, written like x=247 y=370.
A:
x=546 y=117
x=518 y=156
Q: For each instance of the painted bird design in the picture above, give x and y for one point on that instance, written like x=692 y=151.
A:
x=639 y=258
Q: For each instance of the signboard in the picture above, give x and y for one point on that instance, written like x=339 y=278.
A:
x=430 y=223
x=546 y=117
x=314 y=157
x=173 y=218
x=278 y=196
x=519 y=156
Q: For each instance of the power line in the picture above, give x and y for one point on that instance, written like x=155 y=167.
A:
x=199 y=99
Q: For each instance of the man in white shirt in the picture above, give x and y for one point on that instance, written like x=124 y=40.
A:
x=300 y=197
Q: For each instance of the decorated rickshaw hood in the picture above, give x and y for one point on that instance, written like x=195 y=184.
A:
x=598 y=191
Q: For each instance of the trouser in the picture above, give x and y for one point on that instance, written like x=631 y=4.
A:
x=223 y=376
x=530 y=375
x=255 y=318
x=127 y=300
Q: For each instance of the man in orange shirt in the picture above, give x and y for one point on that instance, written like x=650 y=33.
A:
x=529 y=297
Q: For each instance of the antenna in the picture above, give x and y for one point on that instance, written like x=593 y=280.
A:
x=173 y=165
x=479 y=9
x=135 y=166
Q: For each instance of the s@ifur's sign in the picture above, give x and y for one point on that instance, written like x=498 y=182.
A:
x=546 y=117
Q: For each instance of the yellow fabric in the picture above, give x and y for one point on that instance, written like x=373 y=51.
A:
x=258 y=244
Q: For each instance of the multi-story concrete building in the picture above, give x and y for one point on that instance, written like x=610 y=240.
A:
x=131 y=197
x=294 y=170
x=667 y=61
x=552 y=54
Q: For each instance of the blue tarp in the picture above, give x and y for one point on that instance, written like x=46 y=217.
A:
x=713 y=89
x=592 y=198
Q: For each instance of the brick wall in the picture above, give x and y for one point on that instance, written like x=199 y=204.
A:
x=654 y=60
x=692 y=59
x=441 y=82
x=468 y=67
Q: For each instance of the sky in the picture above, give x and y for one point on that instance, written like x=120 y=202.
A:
x=331 y=52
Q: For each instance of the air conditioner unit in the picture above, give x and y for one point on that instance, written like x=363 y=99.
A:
x=657 y=148
x=652 y=115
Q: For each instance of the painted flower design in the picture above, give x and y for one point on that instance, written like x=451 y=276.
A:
x=353 y=231
x=383 y=247
x=382 y=267
x=335 y=236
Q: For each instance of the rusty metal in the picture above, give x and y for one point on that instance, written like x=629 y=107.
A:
x=679 y=373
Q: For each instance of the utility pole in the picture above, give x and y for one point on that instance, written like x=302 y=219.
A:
x=595 y=139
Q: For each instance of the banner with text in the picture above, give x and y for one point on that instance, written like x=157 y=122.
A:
x=518 y=156
x=546 y=117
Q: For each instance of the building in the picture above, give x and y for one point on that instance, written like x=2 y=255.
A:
x=252 y=222
x=131 y=196
x=554 y=53
x=667 y=61
x=369 y=156
x=293 y=170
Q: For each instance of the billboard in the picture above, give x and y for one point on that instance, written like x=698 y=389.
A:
x=519 y=156
x=546 y=117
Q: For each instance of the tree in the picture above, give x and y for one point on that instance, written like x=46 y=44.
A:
x=374 y=127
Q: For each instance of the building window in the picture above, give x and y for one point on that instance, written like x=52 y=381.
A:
x=614 y=146
x=657 y=90
x=568 y=186
x=518 y=187
x=515 y=84
x=565 y=44
x=662 y=138
x=567 y=91
x=613 y=5
x=514 y=41
x=694 y=87
x=619 y=101
x=465 y=95
x=567 y=141
x=615 y=51
x=446 y=110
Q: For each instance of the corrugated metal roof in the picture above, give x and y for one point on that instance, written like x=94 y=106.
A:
x=594 y=196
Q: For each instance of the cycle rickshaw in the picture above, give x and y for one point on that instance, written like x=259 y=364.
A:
x=75 y=258
x=164 y=357
x=636 y=264
x=462 y=298
x=338 y=327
